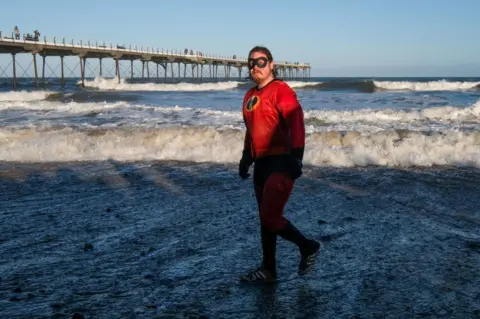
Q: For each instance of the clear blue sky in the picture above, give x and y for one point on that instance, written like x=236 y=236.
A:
x=338 y=37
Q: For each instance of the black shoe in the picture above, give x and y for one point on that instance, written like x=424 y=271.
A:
x=259 y=275
x=308 y=258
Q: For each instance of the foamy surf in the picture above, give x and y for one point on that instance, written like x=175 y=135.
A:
x=441 y=85
x=440 y=113
x=112 y=84
x=391 y=148
x=301 y=84
x=24 y=96
x=132 y=114
x=71 y=107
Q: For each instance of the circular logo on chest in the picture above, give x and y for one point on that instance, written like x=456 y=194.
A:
x=252 y=103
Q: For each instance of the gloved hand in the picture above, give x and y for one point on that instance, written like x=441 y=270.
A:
x=244 y=164
x=295 y=166
x=243 y=170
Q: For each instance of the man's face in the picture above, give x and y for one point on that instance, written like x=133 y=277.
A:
x=260 y=67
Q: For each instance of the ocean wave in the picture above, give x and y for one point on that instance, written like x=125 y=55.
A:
x=24 y=96
x=91 y=97
x=441 y=85
x=316 y=120
x=393 y=148
x=113 y=85
x=440 y=113
x=370 y=86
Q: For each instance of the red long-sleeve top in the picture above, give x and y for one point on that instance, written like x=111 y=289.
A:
x=274 y=121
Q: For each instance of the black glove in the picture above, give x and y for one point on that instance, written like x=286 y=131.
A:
x=295 y=164
x=244 y=164
x=295 y=167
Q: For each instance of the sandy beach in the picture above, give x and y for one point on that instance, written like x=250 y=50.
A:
x=169 y=240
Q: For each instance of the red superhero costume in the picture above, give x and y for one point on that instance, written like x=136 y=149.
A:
x=274 y=121
x=274 y=141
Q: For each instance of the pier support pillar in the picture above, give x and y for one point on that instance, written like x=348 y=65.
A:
x=143 y=70
x=131 y=69
x=117 y=70
x=14 y=65
x=184 y=70
x=35 y=69
x=164 y=66
x=148 y=70
x=100 y=65
x=171 y=67
x=62 y=80
x=82 y=70
x=43 y=70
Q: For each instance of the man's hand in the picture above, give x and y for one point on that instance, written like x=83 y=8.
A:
x=295 y=164
x=295 y=167
x=244 y=164
x=243 y=170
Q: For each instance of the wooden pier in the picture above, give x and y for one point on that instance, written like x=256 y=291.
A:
x=166 y=59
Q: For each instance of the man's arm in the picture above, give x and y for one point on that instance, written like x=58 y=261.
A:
x=247 y=157
x=291 y=110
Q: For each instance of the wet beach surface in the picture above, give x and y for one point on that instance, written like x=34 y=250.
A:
x=169 y=240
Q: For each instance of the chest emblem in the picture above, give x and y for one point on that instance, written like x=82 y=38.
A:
x=252 y=103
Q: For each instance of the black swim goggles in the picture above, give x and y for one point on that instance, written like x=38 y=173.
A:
x=261 y=62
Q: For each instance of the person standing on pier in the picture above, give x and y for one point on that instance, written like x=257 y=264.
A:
x=17 y=33
x=274 y=143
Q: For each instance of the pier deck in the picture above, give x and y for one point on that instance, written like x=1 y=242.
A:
x=160 y=57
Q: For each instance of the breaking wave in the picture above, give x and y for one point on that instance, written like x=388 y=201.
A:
x=370 y=86
x=113 y=85
x=205 y=144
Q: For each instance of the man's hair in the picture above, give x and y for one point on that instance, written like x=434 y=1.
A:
x=265 y=51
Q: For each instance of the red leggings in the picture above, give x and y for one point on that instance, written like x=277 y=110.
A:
x=272 y=198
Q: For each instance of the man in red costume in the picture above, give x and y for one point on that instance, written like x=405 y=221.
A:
x=274 y=141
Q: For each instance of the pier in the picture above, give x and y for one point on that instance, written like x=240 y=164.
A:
x=171 y=65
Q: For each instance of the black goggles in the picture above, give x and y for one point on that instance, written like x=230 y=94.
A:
x=261 y=62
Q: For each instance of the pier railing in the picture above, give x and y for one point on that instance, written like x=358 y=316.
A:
x=135 y=49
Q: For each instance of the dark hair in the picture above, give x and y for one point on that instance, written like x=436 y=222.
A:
x=265 y=51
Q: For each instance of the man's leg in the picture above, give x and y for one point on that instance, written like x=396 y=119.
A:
x=269 y=239
x=276 y=192
x=266 y=273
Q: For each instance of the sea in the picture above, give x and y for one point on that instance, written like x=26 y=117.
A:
x=350 y=122
x=122 y=200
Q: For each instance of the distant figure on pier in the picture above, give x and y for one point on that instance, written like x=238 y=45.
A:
x=234 y=56
x=191 y=52
x=36 y=35
x=185 y=51
x=17 y=33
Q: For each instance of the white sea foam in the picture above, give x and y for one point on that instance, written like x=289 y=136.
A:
x=23 y=96
x=364 y=120
x=112 y=84
x=441 y=85
x=204 y=144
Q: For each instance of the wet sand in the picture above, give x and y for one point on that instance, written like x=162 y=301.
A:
x=169 y=239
